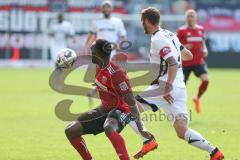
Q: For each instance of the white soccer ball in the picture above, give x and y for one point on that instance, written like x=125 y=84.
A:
x=66 y=58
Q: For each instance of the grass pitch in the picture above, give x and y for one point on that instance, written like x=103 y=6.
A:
x=30 y=130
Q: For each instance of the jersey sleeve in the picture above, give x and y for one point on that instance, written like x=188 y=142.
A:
x=121 y=28
x=121 y=83
x=93 y=27
x=163 y=47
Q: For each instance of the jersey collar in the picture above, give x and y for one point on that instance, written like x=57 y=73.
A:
x=155 y=32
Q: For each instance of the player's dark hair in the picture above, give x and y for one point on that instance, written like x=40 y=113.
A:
x=152 y=14
x=103 y=47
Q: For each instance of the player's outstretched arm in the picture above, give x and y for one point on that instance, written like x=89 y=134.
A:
x=90 y=39
x=186 y=54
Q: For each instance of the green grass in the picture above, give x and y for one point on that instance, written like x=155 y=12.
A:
x=29 y=129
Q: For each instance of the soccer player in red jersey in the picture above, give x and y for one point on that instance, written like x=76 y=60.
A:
x=117 y=109
x=192 y=37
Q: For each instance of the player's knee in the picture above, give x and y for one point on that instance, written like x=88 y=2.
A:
x=180 y=134
x=204 y=78
x=180 y=128
x=73 y=130
x=109 y=127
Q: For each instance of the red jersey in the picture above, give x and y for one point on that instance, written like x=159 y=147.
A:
x=112 y=82
x=193 y=36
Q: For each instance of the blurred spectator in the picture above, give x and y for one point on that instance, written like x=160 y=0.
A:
x=180 y=6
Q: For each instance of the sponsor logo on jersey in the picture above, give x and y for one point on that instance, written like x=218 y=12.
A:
x=194 y=39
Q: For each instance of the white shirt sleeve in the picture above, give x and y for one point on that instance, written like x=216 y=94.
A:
x=93 y=27
x=163 y=47
x=121 y=28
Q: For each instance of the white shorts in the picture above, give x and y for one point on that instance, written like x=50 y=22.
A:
x=151 y=100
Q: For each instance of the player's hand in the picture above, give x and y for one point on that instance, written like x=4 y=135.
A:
x=188 y=46
x=168 y=98
x=205 y=53
x=146 y=134
x=166 y=94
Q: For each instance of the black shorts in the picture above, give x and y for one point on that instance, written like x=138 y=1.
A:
x=198 y=70
x=93 y=120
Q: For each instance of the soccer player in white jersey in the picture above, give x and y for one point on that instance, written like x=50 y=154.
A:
x=108 y=28
x=168 y=90
x=59 y=32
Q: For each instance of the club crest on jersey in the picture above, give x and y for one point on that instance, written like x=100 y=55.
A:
x=165 y=51
x=188 y=33
x=104 y=79
x=123 y=86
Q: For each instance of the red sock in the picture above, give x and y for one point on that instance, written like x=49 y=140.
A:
x=80 y=145
x=119 y=145
x=202 y=88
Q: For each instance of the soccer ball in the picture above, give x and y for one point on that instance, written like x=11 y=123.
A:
x=66 y=58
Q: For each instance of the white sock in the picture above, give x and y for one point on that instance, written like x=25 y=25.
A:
x=135 y=128
x=197 y=140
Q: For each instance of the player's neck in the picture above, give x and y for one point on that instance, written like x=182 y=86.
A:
x=155 y=29
x=104 y=64
x=192 y=26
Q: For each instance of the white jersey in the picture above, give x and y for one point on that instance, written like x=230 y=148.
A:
x=109 y=29
x=165 y=44
x=60 y=31
x=59 y=41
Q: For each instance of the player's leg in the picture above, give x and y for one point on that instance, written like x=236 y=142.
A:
x=204 y=84
x=113 y=125
x=88 y=123
x=178 y=110
x=74 y=134
x=186 y=72
x=196 y=139
x=201 y=72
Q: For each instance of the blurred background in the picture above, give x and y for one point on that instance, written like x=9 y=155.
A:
x=25 y=24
